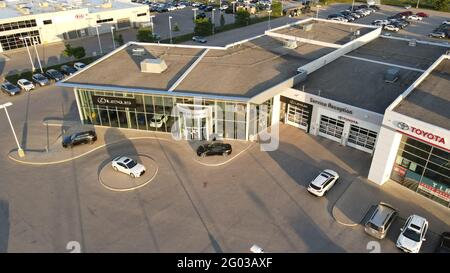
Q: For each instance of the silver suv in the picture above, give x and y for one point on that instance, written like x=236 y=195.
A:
x=380 y=221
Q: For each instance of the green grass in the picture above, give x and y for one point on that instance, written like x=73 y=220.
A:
x=27 y=74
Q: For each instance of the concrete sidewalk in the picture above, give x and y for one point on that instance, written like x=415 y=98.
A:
x=356 y=201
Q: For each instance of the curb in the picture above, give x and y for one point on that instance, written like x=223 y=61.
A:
x=223 y=163
x=78 y=156
x=132 y=188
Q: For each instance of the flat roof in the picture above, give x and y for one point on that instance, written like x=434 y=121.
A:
x=323 y=31
x=360 y=81
x=430 y=100
x=243 y=70
x=35 y=7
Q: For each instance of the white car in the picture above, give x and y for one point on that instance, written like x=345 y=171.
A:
x=391 y=28
x=323 y=182
x=415 y=17
x=79 y=65
x=128 y=166
x=171 y=8
x=223 y=7
x=25 y=84
x=412 y=234
x=181 y=6
x=158 y=120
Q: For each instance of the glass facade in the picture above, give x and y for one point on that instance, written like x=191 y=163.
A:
x=14 y=41
x=424 y=169
x=186 y=117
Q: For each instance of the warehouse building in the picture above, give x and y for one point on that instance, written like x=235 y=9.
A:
x=48 y=21
x=330 y=79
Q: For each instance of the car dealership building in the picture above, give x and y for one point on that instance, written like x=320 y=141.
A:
x=54 y=21
x=324 y=77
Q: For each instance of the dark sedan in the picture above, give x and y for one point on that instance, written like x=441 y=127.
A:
x=444 y=243
x=87 y=137
x=223 y=149
x=68 y=70
x=40 y=79
x=10 y=88
x=54 y=74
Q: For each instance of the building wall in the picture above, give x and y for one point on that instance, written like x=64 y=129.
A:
x=76 y=23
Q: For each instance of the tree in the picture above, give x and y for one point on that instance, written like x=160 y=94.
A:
x=277 y=9
x=119 y=39
x=145 y=35
x=176 y=27
x=222 y=20
x=76 y=52
x=242 y=17
x=203 y=27
x=441 y=5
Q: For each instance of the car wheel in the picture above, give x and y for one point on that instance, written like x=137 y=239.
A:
x=132 y=175
x=115 y=168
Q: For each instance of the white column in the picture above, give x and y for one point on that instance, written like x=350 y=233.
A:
x=383 y=160
x=77 y=99
x=276 y=107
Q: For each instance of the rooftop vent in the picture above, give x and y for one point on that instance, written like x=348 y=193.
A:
x=391 y=75
x=153 y=66
x=291 y=44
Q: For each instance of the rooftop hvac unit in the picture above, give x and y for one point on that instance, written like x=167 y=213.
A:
x=153 y=66
x=291 y=44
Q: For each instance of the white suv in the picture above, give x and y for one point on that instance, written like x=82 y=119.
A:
x=323 y=183
x=412 y=234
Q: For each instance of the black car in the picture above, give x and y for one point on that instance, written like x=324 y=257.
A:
x=54 y=74
x=87 y=137
x=10 y=88
x=444 y=243
x=201 y=15
x=68 y=70
x=208 y=8
x=214 y=149
x=202 y=7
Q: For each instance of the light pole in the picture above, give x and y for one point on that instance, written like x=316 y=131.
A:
x=269 y=11
x=29 y=54
x=417 y=6
x=98 y=37
x=19 y=149
x=353 y=4
x=170 y=29
x=37 y=54
x=112 y=35
x=151 y=21
x=318 y=7
x=234 y=3
x=195 y=13
x=213 y=22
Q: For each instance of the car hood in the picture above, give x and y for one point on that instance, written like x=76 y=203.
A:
x=407 y=243
x=138 y=168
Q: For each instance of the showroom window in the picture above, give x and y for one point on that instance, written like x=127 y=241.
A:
x=424 y=169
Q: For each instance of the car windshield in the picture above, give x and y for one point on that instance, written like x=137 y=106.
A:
x=315 y=187
x=26 y=82
x=9 y=86
x=131 y=164
x=373 y=226
x=39 y=77
x=411 y=234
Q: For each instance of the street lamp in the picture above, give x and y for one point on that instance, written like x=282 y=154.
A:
x=28 y=50
x=213 y=22
x=353 y=4
x=37 y=54
x=318 y=7
x=151 y=21
x=19 y=149
x=417 y=6
x=112 y=35
x=98 y=37
x=170 y=29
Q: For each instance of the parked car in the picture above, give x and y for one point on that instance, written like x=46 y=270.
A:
x=161 y=9
x=218 y=148
x=85 y=137
x=79 y=65
x=68 y=70
x=407 y=6
x=381 y=220
x=380 y=22
x=412 y=234
x=181 y=6
x=158 y=120
x=40 y=79
x=54 y=74
x=209 y=8
x=199 y=39
x=391 y=28
x=437 y=34
x=415 y=17
x=444 y=243
x=10 y=88
x=323 y=183
x=422 y=14
x=128 y=166
x=25 y=84
x=201 y=15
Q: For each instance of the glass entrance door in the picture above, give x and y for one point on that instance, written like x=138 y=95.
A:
x=195 y=121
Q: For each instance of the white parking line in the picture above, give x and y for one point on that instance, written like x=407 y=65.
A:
x=384 y=63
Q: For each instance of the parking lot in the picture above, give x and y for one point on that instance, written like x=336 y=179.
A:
x=257 y=198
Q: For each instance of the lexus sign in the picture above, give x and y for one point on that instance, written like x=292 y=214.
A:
x=114 y=101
